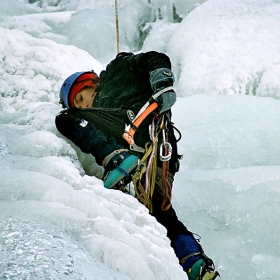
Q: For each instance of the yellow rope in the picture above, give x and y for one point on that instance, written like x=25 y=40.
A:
x=138 y=176
x=145 y=197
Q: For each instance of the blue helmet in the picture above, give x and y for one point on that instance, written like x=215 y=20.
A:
x=67 y=86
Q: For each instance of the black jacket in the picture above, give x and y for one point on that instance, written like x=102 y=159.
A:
x=125 y=82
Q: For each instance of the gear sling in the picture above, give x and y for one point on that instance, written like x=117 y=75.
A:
x=144 y=176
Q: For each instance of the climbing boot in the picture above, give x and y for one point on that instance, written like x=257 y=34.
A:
x=202 y=270
x=192 y=258
x=118 y=166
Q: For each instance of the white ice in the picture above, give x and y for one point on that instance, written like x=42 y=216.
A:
x=56 y=219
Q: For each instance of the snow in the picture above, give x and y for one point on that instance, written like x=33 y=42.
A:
x=58 y=222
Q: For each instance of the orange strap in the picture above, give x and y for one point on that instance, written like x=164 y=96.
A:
x=128 y=136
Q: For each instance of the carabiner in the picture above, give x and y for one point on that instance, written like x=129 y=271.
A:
x=169 y=151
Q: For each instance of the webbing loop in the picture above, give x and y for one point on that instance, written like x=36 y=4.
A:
x=165 y=156
x=183 y=260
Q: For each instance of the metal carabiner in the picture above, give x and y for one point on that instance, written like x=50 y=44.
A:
x=169 y=151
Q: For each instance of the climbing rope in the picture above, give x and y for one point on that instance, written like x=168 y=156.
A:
x=117 y=26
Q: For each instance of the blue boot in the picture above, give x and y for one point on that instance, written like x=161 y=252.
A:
x=118 y=165
x=194 y=262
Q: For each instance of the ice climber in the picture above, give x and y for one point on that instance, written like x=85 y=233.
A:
x=123 y=118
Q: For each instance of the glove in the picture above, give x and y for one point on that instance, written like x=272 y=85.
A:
x=162 y=78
